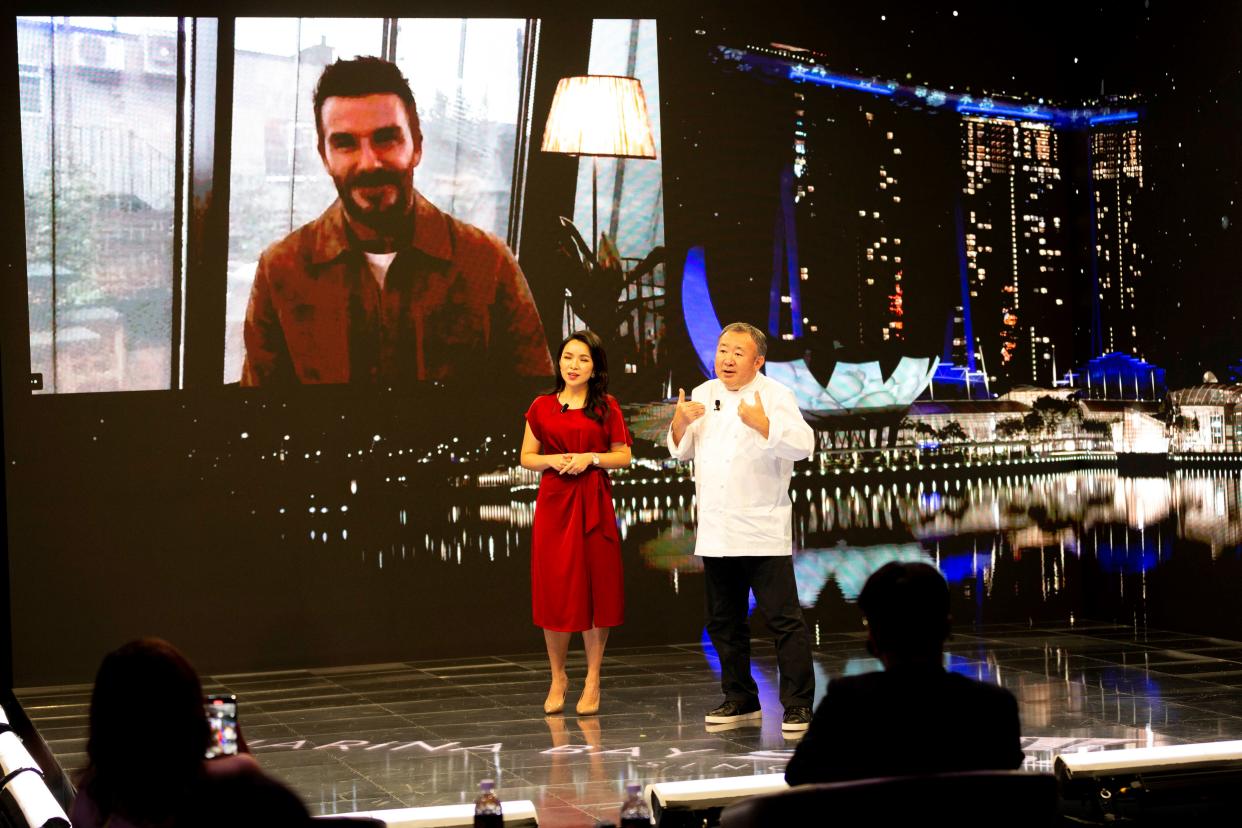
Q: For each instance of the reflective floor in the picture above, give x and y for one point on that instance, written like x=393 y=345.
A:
x=425 y=732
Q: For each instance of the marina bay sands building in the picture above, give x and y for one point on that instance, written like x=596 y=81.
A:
x=1000 y=234
x=1014 y=215
x=1116 y=191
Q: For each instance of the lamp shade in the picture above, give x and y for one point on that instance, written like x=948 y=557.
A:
x=599 y=115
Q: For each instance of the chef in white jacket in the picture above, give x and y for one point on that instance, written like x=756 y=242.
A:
x=744 y=432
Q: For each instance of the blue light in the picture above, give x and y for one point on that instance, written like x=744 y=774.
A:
x=709 y=652
x=1126 y=558
x=1113 y=118
x=800 y=73
x=774 y=64
x=1125 y=680
x=951 y=379
x=702 y=323
x=1133 y=377
x=1026 y=113
x=958 y=568
x=963 y=268
x=977 y=669
x=785 y=261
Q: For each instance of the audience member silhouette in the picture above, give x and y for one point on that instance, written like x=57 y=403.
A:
x=914 y=717
x=148 y=738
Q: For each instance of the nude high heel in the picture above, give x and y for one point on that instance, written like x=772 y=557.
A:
x=555 y=702
x=585 y=707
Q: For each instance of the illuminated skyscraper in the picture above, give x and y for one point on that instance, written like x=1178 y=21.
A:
x=1013 y=214
x=796 y=209
x=880 y=265
x=1116 y=185
x=845 y=274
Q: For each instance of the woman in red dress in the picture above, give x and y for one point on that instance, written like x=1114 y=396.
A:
x=572 y=435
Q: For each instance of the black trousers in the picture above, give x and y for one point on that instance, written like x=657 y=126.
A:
x=729 y=582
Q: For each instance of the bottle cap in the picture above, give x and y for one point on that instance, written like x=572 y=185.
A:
x=487 y=784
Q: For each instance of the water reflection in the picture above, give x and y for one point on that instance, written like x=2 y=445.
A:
x=1020 y=548
x=1127 y=522
x=849 y=567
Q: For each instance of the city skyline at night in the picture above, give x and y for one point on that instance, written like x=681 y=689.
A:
x=1044 y=219
x=1157 y=79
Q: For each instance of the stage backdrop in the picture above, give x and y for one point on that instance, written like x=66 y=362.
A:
x=901 y=234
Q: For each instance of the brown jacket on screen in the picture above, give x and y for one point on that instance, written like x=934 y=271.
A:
x=454 y=304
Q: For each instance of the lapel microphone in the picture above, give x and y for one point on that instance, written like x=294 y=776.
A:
x=717 y=405
x=564 y=407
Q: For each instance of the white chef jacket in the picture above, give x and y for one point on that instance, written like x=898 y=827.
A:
x=741 y=479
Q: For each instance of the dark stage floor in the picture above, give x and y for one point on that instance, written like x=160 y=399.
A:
x=425 y=732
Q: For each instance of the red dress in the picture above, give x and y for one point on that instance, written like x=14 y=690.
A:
x=575 y=565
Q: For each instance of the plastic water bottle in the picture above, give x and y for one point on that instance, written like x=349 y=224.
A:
x=487 y=813
x=634 y=811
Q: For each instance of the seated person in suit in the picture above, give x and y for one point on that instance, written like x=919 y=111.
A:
x=914 y=717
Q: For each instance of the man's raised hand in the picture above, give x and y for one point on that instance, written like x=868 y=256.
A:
x=754 y=415
x=687 y=411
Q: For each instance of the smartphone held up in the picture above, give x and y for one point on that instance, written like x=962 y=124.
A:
x=222 y=719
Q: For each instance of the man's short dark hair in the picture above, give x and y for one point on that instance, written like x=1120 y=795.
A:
x=907 y=607
x=759 y=337
x=360 y=77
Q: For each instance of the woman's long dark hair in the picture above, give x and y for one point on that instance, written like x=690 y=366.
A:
x=148 y=731
x=597 y=386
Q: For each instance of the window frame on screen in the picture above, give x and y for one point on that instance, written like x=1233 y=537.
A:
x=202 y=199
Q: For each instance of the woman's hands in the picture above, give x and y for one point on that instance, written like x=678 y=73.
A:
x=569 y=463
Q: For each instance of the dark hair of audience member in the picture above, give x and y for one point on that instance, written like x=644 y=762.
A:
x=148 y=731
x=907 y=610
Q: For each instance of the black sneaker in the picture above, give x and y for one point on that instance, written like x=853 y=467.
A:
x=734 y=711
x=796 y=719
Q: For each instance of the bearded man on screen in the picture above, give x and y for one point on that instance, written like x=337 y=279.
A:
x=383 y=286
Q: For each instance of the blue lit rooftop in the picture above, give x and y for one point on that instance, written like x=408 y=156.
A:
x=780 y=65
